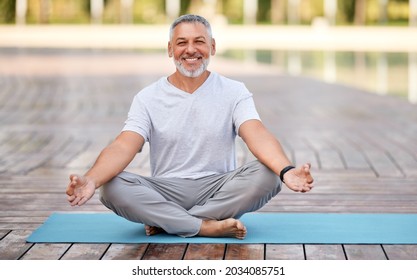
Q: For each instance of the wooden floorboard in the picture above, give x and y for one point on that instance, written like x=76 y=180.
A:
x=126 y=252
x=365 y=252
x=401 y=252
x=165 y=252
x=285 y=252
x=13 y=246
x=324 y=252
x=54 y=122
x=84 y=251
x=205 y=252
x=245 y=252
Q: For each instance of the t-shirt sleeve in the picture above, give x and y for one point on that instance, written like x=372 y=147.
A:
x=244 y=110
x=138 y=119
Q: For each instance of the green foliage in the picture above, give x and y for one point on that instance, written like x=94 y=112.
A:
x=153 y=11
x=346 y=10
x=185 y=6
x=7 y=11
x=264 y=11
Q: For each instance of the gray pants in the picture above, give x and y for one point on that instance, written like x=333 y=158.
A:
x=179 y=205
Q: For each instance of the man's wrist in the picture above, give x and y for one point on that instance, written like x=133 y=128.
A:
x=285 y=170
x=93 y=180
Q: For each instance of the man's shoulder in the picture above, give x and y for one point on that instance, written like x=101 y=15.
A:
x=230 y=87
x=149 y=90
x=228 y=82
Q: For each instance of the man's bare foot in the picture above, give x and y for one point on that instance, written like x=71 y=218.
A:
x=224 y=228
x=151 y=230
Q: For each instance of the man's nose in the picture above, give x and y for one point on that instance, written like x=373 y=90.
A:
x=191 y=48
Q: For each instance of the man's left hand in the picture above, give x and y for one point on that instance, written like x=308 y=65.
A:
x=299 y=179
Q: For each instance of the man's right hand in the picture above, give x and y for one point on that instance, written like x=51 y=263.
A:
x=80 y=189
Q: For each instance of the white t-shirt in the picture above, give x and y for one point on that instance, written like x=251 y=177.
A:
x=191 y=135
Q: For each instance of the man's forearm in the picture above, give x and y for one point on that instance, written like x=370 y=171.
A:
x=269 y=151
x=109 y=163
x=264 y=146
x=115 y=158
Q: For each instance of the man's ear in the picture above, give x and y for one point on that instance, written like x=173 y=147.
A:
x=213 y=46
x=170 y=52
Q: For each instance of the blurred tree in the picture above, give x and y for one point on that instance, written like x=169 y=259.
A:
x=149 y=11
x=383 y=11
x=233 y=10
x=126 y=11
x=346 y=10
x=277 y=11
x=360 y=12
x=7 y=11
x=185 y=6
x=44 y=11
x=412 y=15
x=268 y=11
x=264 y=11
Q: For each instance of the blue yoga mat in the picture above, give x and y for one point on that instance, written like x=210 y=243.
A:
x=278 y=228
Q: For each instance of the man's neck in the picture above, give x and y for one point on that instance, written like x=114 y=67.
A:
x=188 y=84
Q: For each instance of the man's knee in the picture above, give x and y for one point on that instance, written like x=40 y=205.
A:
x=267 y=180
x=112 y=194
x=262 y=181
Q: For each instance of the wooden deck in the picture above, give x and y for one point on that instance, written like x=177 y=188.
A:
x=58 y=109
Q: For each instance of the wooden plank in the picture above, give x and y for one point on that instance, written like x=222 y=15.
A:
x=18 y=213
x=46 y=251
x=14 y=245
x=403 y=158
x=68 y=152
x=205 y=252
x=304 y=156
x=346 y=209
x=401 y=252
x=330 y=159
x=64 y=207
x=3 y=233
x=383 y=164
x=284 y=252
x=342 y=202
x=81 y=251
x=364 y=252
x=40 y=156
x=352 y=156
x=125 y=252
x=244 y=252
x=9 y=148
x=324 y=252
x=18 y=226
x=22 y=220
x=165 y=252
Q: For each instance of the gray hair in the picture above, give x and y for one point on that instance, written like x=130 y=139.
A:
x=190 y=19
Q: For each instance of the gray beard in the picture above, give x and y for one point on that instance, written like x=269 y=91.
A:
x=194 y=73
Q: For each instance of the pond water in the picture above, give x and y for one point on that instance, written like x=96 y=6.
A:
x=377 y=72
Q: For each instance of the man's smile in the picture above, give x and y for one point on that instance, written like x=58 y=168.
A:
x=191 y=59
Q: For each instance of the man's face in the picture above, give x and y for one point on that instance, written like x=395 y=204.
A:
x=191 y=47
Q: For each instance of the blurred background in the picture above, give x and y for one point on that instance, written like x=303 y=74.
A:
x=368 y=44
x=359 y=12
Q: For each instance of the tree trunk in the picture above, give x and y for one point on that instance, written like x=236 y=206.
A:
x=96 y=10
x=277 y=11
x=413 y=12
x=360 y=12
x=21 y=11
x=44 y=11
x=126 y=11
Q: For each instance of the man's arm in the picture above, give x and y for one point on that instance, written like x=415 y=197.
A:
x=267 y=149
x=111 y=161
